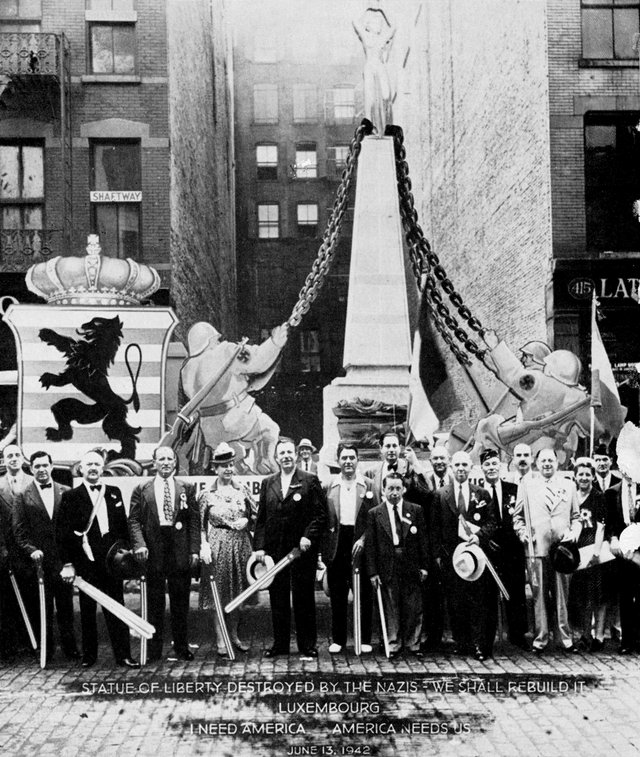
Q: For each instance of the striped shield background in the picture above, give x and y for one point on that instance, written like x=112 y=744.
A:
x=149 y=327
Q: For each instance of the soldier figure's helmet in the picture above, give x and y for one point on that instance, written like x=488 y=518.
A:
x=536 y=352
x=564 y=366
x=199 y=336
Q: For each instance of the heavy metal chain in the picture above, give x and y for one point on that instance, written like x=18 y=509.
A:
x=327 y=250
x=429 y=272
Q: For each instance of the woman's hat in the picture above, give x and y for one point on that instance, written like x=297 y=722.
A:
x=223 y=453
x=469 y=561
x=565 y=557
x=256 y=569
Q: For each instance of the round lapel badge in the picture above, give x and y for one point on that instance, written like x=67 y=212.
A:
x=178 y=526
x=296 y=497
x=413 y=530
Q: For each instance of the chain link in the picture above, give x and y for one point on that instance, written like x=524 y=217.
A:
x=320 y=268
x=428 y=270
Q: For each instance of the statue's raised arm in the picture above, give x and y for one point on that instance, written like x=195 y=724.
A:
x=376 y=34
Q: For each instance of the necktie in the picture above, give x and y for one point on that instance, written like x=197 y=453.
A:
x=13 y=484
x=396 y=518
x=167 y=504
x=47 y=486
x=494 y=499
x=95 y=488
x=462 y=508
x=549 y=496
x=441 y=481
x=306 y=465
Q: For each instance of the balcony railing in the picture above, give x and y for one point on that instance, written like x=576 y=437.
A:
x=21 y=248
x=31 y=54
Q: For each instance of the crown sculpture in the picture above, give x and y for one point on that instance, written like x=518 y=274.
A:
x=92 y=280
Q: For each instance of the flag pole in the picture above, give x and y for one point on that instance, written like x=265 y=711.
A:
x=595 y=399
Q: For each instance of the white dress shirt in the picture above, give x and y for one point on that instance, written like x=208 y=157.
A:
x=348 y=492
x=102 y=516
x=392 y=520
x=46 y=495
x=285 y=482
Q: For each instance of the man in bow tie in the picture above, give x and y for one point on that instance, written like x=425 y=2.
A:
x=547 y=507
x=463 y=513
x=291 y=513
x=392 y=461
x=34 y=519
x=397 y=560
x=91 y=520
x=164 y=524
x=508 y=558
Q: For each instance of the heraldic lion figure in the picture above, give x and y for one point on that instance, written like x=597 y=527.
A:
x=88 y=360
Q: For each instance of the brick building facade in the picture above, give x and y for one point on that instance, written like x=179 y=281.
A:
x=115 y=118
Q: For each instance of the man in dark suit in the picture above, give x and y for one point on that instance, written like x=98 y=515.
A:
x=397 y=560
x=349 y=499
x=432 y=594
x=306 y=450
x=408 y=467
x=13 y=633
x=463 y=513
x=622 y=510
x=291 y=513
x=605 y=477
x=508 y=557
x=91 y=520
x=35 y=517
x=164 y=525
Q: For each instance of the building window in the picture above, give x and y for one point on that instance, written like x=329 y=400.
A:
x=307 y=214
x=20 y=9
x=265 y=103
x=115 y=169
x=612 y=181
x=110 y=5
x=344 y=103
x=112 y=48
x=306 y=165
x=608 y=28
x=268 y=221
x=267 y=161
x=310 y=351
x=337 y=160
x=22 y=186
x=305 y=103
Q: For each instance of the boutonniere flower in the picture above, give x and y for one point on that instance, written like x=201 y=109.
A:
x=511 y=507
x=473 y=499
x=183 y=502
x=297 y=497
x=178 y=526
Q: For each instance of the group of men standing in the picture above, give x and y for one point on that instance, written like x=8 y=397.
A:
x=410 y=533
x=77 y=532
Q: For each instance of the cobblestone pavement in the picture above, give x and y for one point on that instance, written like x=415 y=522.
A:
x=515 y=704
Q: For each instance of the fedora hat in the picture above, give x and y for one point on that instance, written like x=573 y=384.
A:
x=469 y=561
x=121 y=562
x=565 y=556
x=306 y=443
x=223 y=453
x=256 y=569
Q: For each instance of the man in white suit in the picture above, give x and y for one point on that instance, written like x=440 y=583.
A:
x=548 y=505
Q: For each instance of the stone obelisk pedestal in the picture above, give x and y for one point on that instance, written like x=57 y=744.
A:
x=377 y=348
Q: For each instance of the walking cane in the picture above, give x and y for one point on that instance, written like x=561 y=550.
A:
x=143 y=615
x=23 y=610
x=220 y=614
x=43 y=617
x=357 y=620
x=383 y=623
